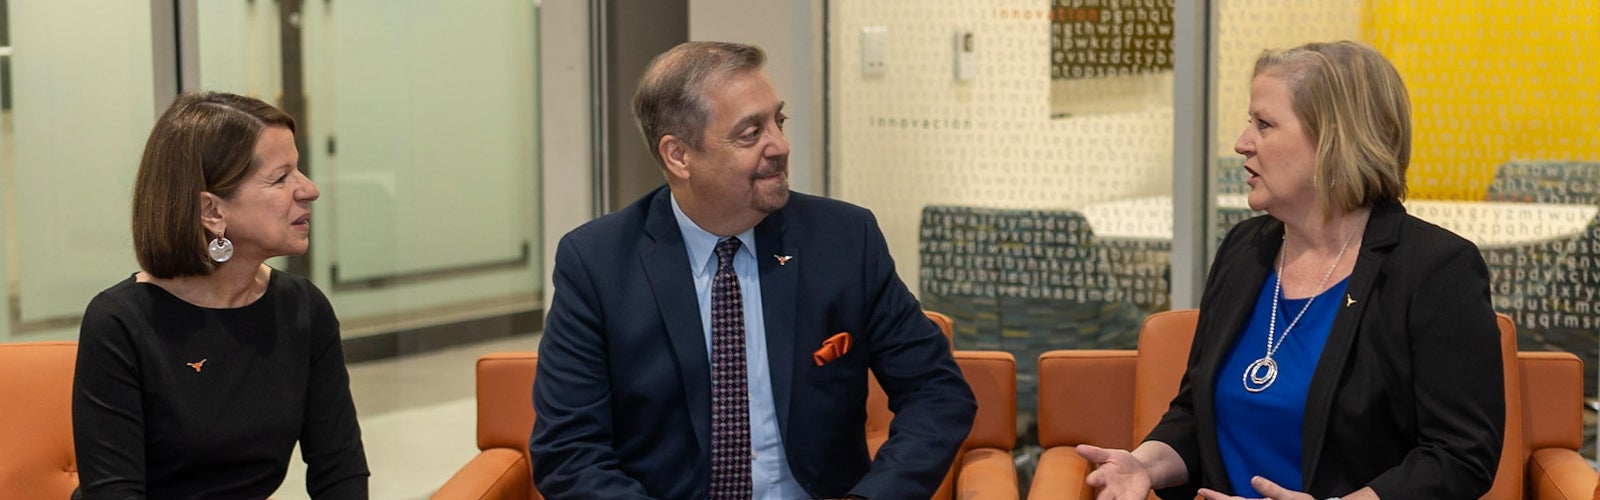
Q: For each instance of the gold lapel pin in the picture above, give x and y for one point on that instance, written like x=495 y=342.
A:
x=783 y=259
x=1348 y=300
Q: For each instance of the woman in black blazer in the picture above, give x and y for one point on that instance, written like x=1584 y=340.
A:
x=1344 y=348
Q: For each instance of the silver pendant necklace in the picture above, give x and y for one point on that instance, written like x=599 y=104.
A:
x=1264 y=371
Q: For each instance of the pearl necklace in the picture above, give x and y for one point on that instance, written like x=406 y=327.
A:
x=1264 y=371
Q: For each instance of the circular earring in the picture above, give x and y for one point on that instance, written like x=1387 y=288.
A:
x=220 y=249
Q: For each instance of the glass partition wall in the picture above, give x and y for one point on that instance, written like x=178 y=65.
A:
x=418 y=120
x=1019 y=154
x=994 y=141
x=77 y=98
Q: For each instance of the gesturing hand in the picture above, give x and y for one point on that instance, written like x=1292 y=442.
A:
x=1118 y=475
x=1263 y=485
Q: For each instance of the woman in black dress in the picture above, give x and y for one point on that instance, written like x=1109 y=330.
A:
x=197 y=375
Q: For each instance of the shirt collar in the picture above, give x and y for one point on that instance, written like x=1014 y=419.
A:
x=702 y=245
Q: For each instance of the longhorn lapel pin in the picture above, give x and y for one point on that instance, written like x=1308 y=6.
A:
x=783 y=260
x=196 y=365
x=1348 y=300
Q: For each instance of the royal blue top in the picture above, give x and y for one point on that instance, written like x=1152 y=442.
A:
x=1259 y=432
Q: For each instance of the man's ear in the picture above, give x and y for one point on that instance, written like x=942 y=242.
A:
x=674 y=156
x=211 y=213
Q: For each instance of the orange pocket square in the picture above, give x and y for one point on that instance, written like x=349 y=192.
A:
x=832 y=348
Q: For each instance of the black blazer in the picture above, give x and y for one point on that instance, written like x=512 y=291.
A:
x=623 y=391
x=1408 y=396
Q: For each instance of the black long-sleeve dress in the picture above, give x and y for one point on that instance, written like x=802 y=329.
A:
x=173 y=400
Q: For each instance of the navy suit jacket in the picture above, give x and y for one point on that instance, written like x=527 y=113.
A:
x=623 y=386
x=1408 y=396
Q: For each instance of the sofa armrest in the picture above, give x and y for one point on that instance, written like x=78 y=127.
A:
x=1559 y=474
x=987 y=473
x=505 y=399
x=1060 y=475
x=1552 y=399
x=1086 y=397
x=495 y=474
x=993 y=378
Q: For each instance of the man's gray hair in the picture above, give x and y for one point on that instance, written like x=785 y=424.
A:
x=671 y=95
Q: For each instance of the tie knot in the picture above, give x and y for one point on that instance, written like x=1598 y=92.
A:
x=725 y=250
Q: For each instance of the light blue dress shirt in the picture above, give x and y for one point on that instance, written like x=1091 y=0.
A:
x=769 y=469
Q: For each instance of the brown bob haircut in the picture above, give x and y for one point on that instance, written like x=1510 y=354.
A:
x=204 y=142
x=671 y=99
x=1356 y=110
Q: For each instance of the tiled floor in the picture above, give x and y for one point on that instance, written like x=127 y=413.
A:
x=417 y=419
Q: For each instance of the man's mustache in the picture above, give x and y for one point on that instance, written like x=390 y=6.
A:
x=776 y=167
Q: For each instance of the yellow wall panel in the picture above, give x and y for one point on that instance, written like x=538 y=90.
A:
x=1491 y=81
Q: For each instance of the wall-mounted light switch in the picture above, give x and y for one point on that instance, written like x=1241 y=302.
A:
x=966 y=62
x=874 y=41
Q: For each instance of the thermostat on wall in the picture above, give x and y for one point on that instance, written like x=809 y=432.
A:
x=966 y=56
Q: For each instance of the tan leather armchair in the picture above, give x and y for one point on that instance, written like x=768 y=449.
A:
x=983 y=468
x=502 y=470
x=36 y=424
x=1114 y=398
x=1107 y=398
x=1552 y=409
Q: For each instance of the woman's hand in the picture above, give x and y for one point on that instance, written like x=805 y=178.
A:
x=1263 y=485
x=1118 y=475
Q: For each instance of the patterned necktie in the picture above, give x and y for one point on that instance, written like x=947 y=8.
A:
x=730 y=394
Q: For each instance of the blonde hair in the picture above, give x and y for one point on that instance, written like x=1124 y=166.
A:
x=1356 y=110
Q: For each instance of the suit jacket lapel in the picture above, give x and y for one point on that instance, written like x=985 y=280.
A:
x=1382 y=232
x=778 y=293
x=1224 y=320
x=666 y=264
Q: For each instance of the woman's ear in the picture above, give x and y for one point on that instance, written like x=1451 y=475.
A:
x=674 y=156
x=211 y=214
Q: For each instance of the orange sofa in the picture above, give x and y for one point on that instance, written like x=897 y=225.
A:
x=1552 y=426
x=984 y=467
x=502 y=470
x=36 y=455
x=1112 y=398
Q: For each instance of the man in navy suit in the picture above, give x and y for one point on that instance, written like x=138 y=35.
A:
x=625 y=393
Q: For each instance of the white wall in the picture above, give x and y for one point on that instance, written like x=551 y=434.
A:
x=566 y=169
